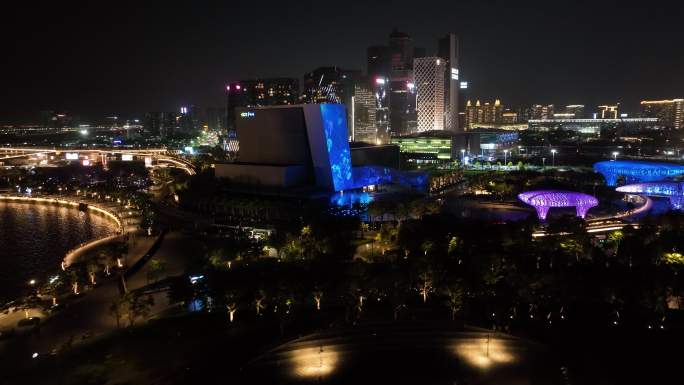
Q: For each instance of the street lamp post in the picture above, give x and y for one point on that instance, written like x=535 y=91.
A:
x=553 y=157
x=463 y=157
x=505 y=157
x=615 y=154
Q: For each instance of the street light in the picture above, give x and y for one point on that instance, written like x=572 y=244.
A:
x=505 y=157
x=615 y=154
x=553 y=157
x=463 y=156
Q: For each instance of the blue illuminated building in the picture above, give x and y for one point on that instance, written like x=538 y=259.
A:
x=672 y=190
x=303 y=145
x=339 y=156
x=635 y=171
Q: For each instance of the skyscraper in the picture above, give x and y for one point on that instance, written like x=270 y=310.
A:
x=378 y=61
x=670 y=112
x=429 y=82
x=362 y=111
x=394 y=64
x=448 y=51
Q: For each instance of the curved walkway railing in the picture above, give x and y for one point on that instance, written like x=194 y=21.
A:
x=66 y=201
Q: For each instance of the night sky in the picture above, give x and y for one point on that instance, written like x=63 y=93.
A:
x=95 y=60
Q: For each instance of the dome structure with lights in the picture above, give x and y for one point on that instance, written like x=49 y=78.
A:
x=543 y=200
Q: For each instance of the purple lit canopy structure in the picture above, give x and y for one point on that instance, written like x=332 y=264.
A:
x=636 y=171
x=543 y=200
x=672 y=190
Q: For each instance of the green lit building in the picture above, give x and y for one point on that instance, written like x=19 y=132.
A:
x=446 y=146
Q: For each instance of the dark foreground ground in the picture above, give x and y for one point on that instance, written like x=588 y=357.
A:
x=206 y=349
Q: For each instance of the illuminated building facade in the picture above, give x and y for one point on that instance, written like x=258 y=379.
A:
x=669 y=112
x=363 y=109
x=577 y=110
x=448 y=51
x=672 y=190
x=323 y=85
x=382 y=109
x=637 y=172
x=429 y=82
x=300 y=145
x=539 y=111
x=588 y=126
x=543 y=200
x=487 y=113
x=509 y=117
x=608 y=112
x=440 y=146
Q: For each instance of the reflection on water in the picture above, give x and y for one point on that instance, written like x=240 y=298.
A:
x=35 y=237
x=314 y=362
x=486 y=352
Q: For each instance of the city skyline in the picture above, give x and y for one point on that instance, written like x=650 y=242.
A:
x=522 y=54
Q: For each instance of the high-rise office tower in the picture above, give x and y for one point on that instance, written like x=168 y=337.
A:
x=362 y=111
x=448 y=51
x=429 y=82
x=669 y=112
x=382 y=109
x=400 y=51
x=394 y=64
x=378 y=61
x=608 y=112
x=402 y=105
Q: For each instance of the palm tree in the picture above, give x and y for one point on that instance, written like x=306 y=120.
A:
x=318 y=294
x=259 y=302
x=425 y=286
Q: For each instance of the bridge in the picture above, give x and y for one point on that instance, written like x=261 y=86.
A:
x=160 y=155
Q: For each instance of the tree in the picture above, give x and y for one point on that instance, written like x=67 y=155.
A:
x=425 y=284
x=115 y=310
x=318 y=295
x=74 y=281
x=454 y=294
x=156 y=269
x=259 y=302
x=92 y=268
x=135 y=306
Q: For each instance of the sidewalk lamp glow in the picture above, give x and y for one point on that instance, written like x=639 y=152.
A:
x=615 y=154
x=553 y=157
x=32 y=282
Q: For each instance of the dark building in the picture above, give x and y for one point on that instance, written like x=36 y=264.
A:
x=160 y=124
x=259 y=93
x=57 y=119
x=323 y=85
x=216 y=119
x=378 y=61
x=392 y=68
x=188 y=121
x=400 y=51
